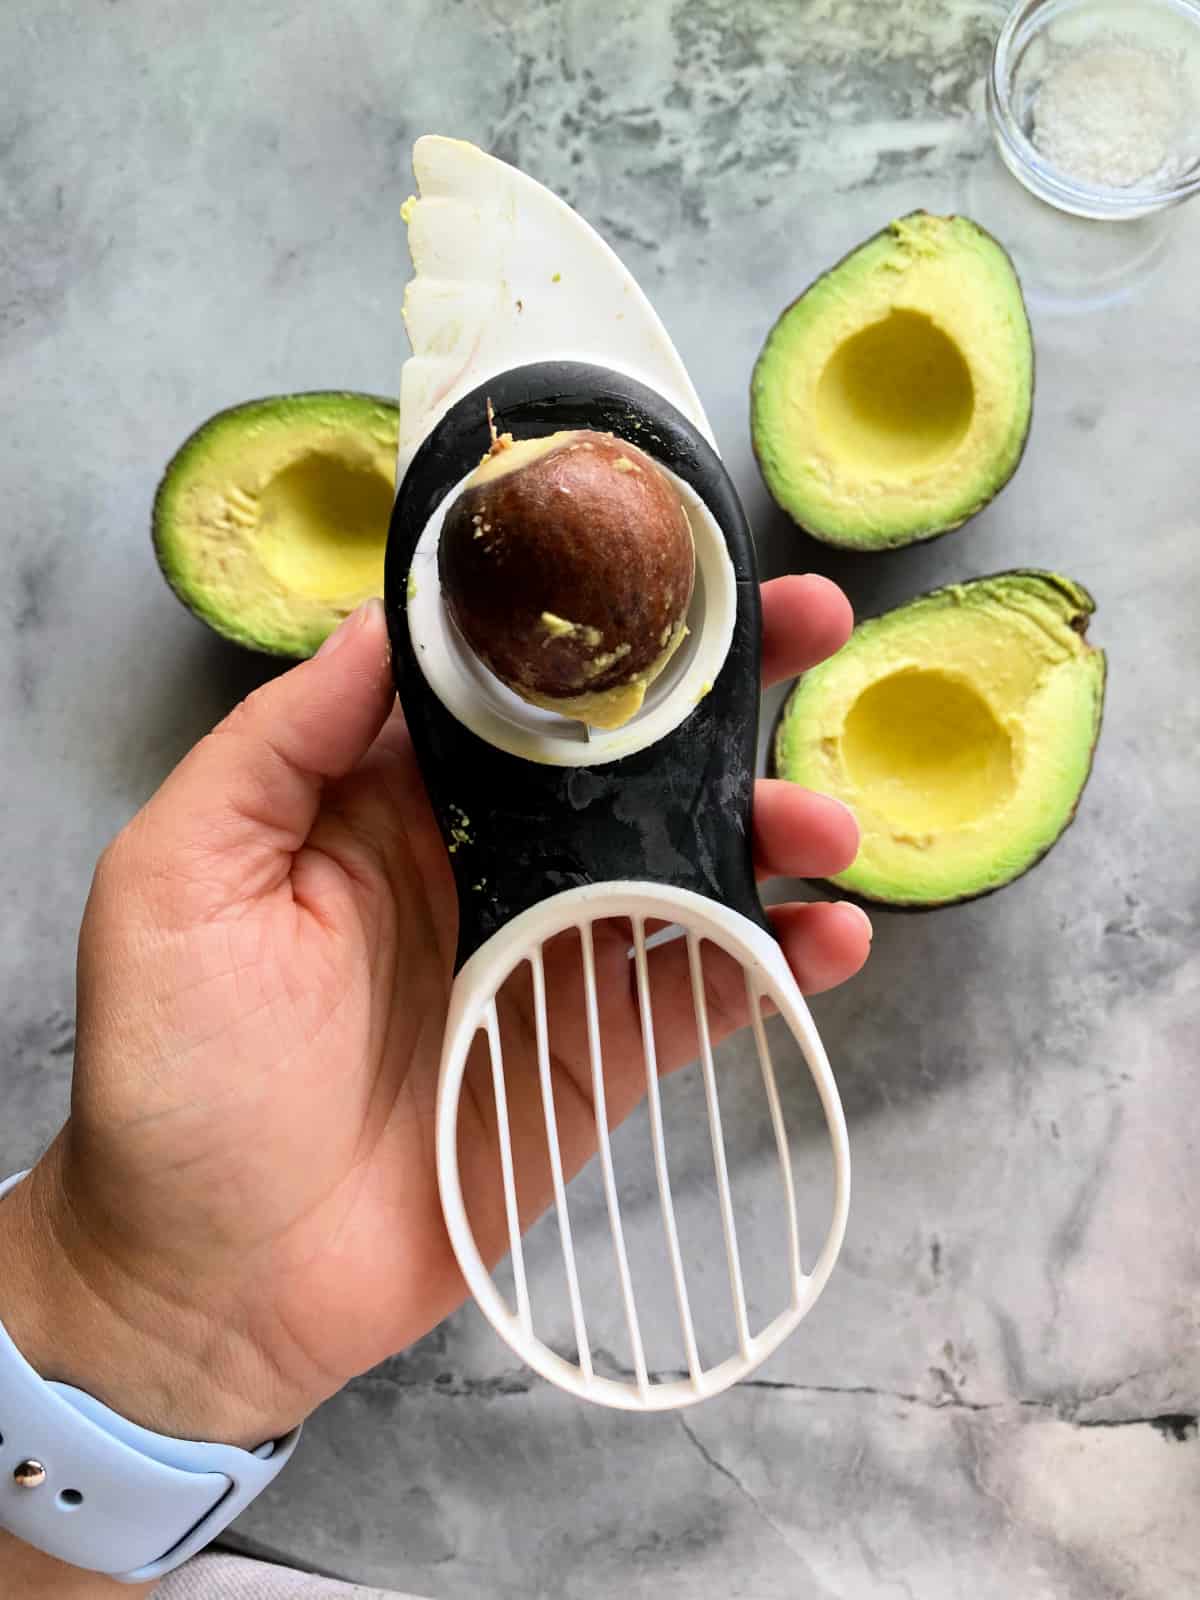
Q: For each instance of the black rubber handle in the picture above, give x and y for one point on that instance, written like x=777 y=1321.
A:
x=677 y=812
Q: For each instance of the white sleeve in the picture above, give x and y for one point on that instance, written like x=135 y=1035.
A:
x=222 y=1577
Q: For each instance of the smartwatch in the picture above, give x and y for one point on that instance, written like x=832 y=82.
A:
x=88 y=1487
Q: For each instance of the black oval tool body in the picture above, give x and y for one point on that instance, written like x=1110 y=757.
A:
x=676 y=812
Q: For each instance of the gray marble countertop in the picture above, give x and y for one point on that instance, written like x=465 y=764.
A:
x=200 y=204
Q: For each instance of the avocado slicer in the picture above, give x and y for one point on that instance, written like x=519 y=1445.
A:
x=517 y=304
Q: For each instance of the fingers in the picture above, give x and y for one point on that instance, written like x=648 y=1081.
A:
x=236 y=809
x=805 y=619
x=824 y=944
x=799 y=834
x=381 y=812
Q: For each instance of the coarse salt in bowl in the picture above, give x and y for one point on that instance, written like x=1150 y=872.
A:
x=1095 y=104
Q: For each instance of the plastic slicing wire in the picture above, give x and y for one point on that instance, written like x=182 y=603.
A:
x=766 y=978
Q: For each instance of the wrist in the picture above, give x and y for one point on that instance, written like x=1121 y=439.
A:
x=27 y=1572
x=81 y=1316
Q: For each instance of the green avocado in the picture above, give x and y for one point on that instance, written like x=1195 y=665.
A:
x=271 y=520
x=892 y=400
x=959 y=728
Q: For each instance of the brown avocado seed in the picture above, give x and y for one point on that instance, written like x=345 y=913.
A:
x=567 y=565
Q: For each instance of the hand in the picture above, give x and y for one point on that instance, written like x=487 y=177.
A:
x=242 y=1211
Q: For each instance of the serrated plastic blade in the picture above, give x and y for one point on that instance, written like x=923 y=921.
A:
x=506 y=273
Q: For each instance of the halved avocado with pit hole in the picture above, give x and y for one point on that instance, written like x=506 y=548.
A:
x=271 y=520
x=959 y=728
x=892 y=400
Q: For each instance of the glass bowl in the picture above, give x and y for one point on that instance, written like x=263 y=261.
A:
x=1095 y=104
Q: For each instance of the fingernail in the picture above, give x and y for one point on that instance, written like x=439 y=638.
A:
x=861 y=915
x=348 y=625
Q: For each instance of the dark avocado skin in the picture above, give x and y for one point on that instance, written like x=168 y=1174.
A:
x=941 y=530
x=916 y=908
x=195 y=440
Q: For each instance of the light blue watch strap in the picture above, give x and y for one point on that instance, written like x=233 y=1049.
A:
x=90 y=1488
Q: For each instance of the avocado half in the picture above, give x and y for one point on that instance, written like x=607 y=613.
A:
x=271 y=520
x=960 y=730
x=892 y=400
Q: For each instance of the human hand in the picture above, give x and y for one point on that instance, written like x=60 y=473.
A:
x=242 y=1210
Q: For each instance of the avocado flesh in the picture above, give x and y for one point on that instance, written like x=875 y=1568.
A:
x=271 y=520
x=959 y=728
x=892 y=400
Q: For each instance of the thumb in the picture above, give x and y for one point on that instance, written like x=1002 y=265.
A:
x=238 y=807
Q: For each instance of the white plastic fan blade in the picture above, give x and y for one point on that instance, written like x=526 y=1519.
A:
x=505 y=273
x=473 y=1014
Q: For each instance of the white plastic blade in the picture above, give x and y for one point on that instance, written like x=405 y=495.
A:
x=506 y=273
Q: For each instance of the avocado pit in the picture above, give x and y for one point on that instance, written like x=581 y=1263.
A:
x=567 y=565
